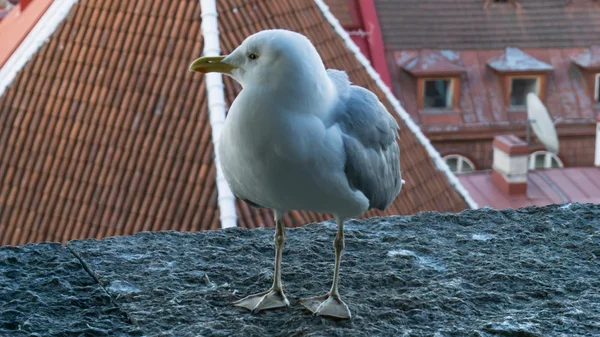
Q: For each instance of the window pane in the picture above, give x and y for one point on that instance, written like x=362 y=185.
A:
x=438 y=94
x=520 y=87
x=466 y=167
x=453 y=164
x=543 y=160
x=540 y=160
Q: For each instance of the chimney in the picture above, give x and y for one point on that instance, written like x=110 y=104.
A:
x=597 y=159
x=509 y=169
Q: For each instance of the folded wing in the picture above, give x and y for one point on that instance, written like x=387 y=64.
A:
x=369 y=135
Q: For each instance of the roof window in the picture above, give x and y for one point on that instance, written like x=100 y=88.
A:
x=437 y=93
x=520 y=87
x=459 y=164
x=438 y=80
x=544 y=160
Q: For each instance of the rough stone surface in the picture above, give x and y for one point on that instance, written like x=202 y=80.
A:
x=530 y=272
x=45 y=291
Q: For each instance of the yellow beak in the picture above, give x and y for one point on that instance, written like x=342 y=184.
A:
x=211 y=64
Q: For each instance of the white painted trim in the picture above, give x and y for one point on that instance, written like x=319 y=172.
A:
x=216 y=109
x=461 y=161
x=597 y=159
x=597 y=100
x=433 y=153
x=548 y=157
x=37 y=37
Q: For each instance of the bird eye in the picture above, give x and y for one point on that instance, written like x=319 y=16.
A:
x=253 y=56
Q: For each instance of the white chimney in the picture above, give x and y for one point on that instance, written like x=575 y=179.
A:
x=509 y=169
x=597 y=158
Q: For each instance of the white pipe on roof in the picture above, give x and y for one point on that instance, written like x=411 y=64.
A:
x=597 y=157
x=433 y=153
x=216 y=108
x=35 y=39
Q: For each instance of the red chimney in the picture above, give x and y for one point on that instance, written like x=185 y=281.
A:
x=509 y=169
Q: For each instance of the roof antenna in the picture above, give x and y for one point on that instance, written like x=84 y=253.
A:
x=543 y=126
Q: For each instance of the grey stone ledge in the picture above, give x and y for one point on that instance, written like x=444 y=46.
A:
x=527 y=272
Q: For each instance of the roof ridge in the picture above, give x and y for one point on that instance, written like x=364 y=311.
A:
x=414 y=128
x=215 y=93
x=35 y=39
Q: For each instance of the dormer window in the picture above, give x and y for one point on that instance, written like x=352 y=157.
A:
x=521 y=74
x=520 y=87
x=438 y=81
x=589 y=63
x=438 y=93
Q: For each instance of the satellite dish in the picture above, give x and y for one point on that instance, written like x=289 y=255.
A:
x=541 y=123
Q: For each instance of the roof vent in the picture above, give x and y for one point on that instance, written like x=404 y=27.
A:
x=491 y=3
x=509 y=169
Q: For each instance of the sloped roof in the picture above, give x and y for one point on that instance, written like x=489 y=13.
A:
x=106 y=132
x=342 y=10
x=544 y=187
x=482 y=104
x=466 y=24
x=515 y=60
x=589 y=59
x=432 y=62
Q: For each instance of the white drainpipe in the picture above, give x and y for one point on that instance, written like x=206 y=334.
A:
x=216 y=108
x=597 y=158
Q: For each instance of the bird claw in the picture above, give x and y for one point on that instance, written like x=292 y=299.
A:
x=327 y=305
x=270 y=299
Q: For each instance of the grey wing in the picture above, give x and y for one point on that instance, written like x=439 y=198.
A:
x=372 y=153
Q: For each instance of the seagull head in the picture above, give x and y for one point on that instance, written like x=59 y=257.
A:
x=267 y=58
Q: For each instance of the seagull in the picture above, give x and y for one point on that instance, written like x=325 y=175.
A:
x=302 y=137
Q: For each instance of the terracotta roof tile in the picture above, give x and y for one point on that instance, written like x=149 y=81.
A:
x=106 y=132
x=342 y=10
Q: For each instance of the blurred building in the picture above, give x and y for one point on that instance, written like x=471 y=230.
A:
x=104 y=131
x=6 y=6
x=463 y=68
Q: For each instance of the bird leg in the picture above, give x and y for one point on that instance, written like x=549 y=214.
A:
x=274 y=297
x=331 y=303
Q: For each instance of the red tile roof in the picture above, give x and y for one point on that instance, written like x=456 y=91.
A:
x=466 y=24
x=482 y=102
x=544 y=187
x=343 y=11
x=515 y=60
x=589 y=59
x=432 y=62
x=106 y=132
